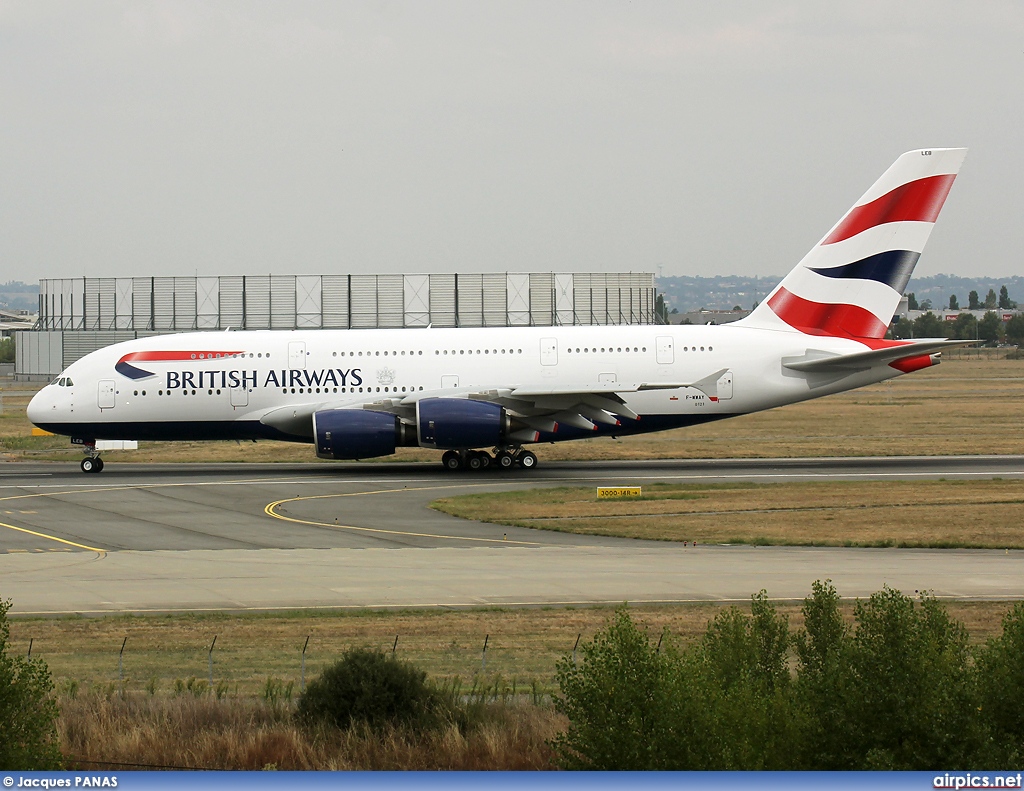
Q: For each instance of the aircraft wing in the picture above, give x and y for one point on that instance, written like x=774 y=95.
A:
x=816 y=361
x=540 y=407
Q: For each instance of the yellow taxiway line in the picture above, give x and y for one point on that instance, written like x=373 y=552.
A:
x=270 y=510
x=52 y=538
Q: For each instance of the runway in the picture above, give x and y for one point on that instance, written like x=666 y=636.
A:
x=144 y=538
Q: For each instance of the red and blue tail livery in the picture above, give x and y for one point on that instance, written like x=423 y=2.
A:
x=850 y=283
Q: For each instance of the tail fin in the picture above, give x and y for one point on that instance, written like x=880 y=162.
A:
x=851 y=282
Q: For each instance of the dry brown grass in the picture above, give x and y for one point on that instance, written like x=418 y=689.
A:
x=968 y=405
x=983 y=513
x=243 y=734
x=523 y=644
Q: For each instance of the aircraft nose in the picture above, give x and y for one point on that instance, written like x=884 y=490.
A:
x=39 y=406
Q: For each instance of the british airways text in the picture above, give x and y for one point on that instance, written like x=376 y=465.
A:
x=295 y=377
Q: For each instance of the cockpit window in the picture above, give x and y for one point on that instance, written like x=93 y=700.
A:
x=69 y=383
x=56 y=381
x=63 y=381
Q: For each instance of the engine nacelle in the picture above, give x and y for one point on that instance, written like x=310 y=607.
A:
x=355 y=433
x=445 y=423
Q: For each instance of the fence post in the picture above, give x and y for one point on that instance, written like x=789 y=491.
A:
x=483 y=663
x=302 y=680
x=29 y=656
x=395 y=646
x=575 y=647
x=210 y=657
x=120 y=665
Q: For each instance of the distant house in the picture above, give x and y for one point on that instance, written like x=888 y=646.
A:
x=707 y=316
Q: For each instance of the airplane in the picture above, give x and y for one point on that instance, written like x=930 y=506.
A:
x=483 y=395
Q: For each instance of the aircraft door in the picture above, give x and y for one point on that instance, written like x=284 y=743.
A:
x=296 y=354
x=724 y=386
x=448 y=382
x=105 y=394
x=549 y=351
x=239 y=396
x=664 y=351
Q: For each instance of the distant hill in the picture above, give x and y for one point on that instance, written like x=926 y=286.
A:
x=727 y=291
x=15 y=295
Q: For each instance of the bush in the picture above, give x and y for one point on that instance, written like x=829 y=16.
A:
x=1000 y=682
x=898 y=690
x=367 y=687
x=28 y=711
x=615 y=701
x=720 y=705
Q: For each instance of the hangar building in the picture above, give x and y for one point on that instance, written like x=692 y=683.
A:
x=80 y=315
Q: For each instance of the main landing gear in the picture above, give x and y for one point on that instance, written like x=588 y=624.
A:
x=477 y=460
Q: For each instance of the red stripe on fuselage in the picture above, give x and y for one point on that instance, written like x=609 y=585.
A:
x=824 y=318
x=918 y=201
x=172 y=356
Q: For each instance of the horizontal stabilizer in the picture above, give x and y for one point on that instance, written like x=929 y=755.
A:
x=816 y=361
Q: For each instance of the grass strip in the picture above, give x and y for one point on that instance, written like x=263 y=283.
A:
x=986 y=514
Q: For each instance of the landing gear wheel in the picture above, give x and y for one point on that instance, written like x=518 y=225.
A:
x=99 y=464
x=504 y=459
x=452 y=460
x=91 y=464
x=527 y=460
x=475 y=460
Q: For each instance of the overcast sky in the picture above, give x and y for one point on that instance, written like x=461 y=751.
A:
x=150 y=138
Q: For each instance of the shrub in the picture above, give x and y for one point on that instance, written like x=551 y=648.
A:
x=897 y=691
x=614 y=701
x=367 y=687
x=28 y=710
x=1000 y=685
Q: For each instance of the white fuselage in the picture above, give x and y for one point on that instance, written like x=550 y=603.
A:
x=219 y=385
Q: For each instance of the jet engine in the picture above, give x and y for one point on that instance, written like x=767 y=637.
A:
x=356 y=433
x=460 y=423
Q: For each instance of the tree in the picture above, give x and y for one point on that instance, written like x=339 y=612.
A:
x=990 y=328
x=953 y=303
x=910 y=706
x=660 y=310
x=616 y=701
x=903 y=329
x=912 y=301
x=973 y=303
x=1005 y=303
x=1000 y=686
x=990 y=300
x=928 y=325
x=28 y=711
x=1015 y=330
x=965 y=328
x=823 y=649
x=6 y=350
x=926 y=305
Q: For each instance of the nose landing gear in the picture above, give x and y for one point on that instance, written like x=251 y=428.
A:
x=92 y=464
x=92 y=461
